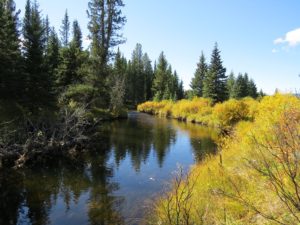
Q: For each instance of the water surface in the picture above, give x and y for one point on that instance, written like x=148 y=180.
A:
x=114 y=183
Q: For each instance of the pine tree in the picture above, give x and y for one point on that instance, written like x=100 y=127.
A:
x=65 y=30
x=148 y=73
x=180 y=91
x=231 y=85
x=160 y=78
x=52 y=54
x=118 y=83
x=47 y=30
x=105 y=23
x=11 y=74
x=168 y=92
x=252 y=89
x=39 y=85
x=198 y=79
x=137 y=74
x=240 y=87
x=175 y=86
x=77 y=35
x=70 y=65
x=245 y=88
x=215 y=82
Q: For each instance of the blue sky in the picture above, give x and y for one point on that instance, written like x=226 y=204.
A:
x=259 y=37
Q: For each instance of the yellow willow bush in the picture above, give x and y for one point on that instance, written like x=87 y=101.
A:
x=200 y=110
x=255 y=179
x=190 y=110
x=154 y=108
x=227 y=114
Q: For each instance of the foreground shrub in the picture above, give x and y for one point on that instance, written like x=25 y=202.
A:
x=254 y=180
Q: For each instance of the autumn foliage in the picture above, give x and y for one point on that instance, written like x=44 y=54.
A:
x=255 y=177
x=201 y=110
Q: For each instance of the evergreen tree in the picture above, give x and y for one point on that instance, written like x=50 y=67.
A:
x=77 y=35
x=137 y=75
x=214 y=85
x=245 y=88
x=239 y=87
x=105 y=23
x=118 y=83
x=197 y=81
x=180 y=91
x=168 y=92
x=52 y=54
x=166 y=84
x=261 y=94
x=175 y=85
x=11 y=74
x=252 y=89
x=160 y=78
x=47 y=29
x=39 y=92
x=231 y=85
x=65 y=30
x=69 y=70
x=148 y=74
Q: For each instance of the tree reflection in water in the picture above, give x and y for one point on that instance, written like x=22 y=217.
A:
x=29 y=196
x=85 y=191
x=137 y=138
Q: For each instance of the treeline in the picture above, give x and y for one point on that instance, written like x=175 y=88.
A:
x=211 y=81
x=41 y=69
x=143 y=82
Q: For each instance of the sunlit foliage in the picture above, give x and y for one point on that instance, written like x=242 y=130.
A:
x=254 y=179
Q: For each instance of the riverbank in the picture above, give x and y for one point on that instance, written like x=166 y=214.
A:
x=113 y=180
x=202 y=111
x=255 y=177
x=33 y=139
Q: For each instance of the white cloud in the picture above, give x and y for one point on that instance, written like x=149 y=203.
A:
x=274 y=50
x=292 y=38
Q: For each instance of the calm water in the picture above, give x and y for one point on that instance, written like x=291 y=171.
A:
x=113 y=183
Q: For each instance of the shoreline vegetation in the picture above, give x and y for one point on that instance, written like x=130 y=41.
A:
x=254 y=178
x=202 y=111
x=28 y=140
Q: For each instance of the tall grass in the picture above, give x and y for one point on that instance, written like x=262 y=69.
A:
x=255 y=178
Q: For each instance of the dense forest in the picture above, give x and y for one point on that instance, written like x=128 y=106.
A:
x=42 y=69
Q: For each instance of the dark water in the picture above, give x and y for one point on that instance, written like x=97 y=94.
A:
x=114 y=183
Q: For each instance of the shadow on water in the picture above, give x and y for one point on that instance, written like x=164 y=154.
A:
x=127 y=164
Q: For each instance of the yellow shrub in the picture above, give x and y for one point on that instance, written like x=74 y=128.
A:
x=227 y=114
x=234 y=186
x=189 y=110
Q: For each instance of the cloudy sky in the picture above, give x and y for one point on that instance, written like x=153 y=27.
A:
x=259 y=37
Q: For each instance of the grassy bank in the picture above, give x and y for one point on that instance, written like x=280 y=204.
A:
x=255 y=178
